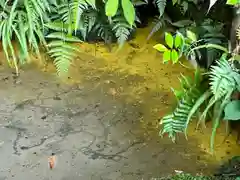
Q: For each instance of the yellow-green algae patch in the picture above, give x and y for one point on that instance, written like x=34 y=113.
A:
x=150 y=86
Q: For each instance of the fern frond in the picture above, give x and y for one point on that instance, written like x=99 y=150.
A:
x=78 y=7
x=63 y=54
x=178 y=121
x=122 y=30
x=238 y=33
x=103 y=31
x=161 y=4
x=159 y=23
x=57 y=26
x=222 y=79
x=62 y=36
x=87 y=22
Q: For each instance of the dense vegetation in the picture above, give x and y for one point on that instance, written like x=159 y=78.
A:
x=200 y=34
x=213 y=94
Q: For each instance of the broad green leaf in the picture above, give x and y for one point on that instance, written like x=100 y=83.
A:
x=177 y=41
x=232 y=110
x=111 y=8
x=169 y=39
x=191 y=35
x=174 y=56
x=232 y=2
x=166 y=56
x=160 y=47
x=128 y=11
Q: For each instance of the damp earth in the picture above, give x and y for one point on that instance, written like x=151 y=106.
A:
x=102 y=122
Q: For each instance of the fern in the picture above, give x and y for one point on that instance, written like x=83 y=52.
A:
x=176 y=122
x=63 y=54
x=60 y=48
x=24 y=21
x=122 y=30
x=159 y=23
x=161 y=4
x=223 y=82
x=31 y=23
x=238 y=33
x=104 y=31
x=87 y=22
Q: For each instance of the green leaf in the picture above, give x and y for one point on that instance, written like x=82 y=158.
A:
x=191 y=35
x=160 y=47
x=128 y=11
x=111 y=8
x=64 y=37
x=178 y=41
x=169 y=39
x=232 y=110
x=178 y=93
x=232 y=2
x=174 y=56
x=166 y=56
x=196 y=106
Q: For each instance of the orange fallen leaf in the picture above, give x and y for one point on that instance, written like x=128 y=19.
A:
x=52 y=161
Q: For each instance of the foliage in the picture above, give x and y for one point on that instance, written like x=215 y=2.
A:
x=232 y=110
x=178 y=46
x=164 y=21
x=32 y=24
x=24 y=22
x=229 y=2
x=223 y=82
x=185 y=176
x=190 y=91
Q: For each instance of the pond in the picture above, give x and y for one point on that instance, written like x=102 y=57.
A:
x=101 y=123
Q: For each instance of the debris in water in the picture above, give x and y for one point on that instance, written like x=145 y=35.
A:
x=52 y=161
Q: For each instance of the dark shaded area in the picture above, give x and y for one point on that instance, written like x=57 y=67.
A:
x=230 y=169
